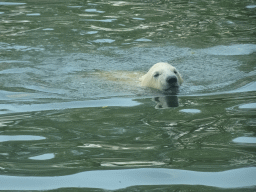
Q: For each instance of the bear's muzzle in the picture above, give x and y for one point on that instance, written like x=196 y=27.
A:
x=171 y=80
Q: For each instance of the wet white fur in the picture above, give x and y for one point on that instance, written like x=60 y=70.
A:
x=163 y=71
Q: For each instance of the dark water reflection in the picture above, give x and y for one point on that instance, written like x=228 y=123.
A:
x=166 y=102
x=67 y=115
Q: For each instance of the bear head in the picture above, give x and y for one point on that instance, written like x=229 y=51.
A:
x=162 y=76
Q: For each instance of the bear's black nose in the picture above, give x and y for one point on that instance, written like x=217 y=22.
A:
x=171 y=79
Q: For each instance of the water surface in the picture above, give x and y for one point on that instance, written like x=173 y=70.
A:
x=72 y=115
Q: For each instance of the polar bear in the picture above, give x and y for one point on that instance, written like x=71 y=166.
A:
x=162 y=76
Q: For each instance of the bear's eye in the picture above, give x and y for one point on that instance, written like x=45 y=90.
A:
x=175 y=72
x=156 y=75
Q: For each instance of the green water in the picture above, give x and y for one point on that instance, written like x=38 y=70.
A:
x=64 y=127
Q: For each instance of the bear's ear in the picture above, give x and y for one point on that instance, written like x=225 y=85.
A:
x=181 y=80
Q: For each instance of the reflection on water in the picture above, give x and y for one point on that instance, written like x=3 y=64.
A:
x=125 y=102
x=245 y=140
x=43 y=157
x=248 y=106
x=4 y=138
x=118 y=179
x=166 y=102
x=11 y=3
x=190 y=111
x=72 y=110
x=231 y=50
